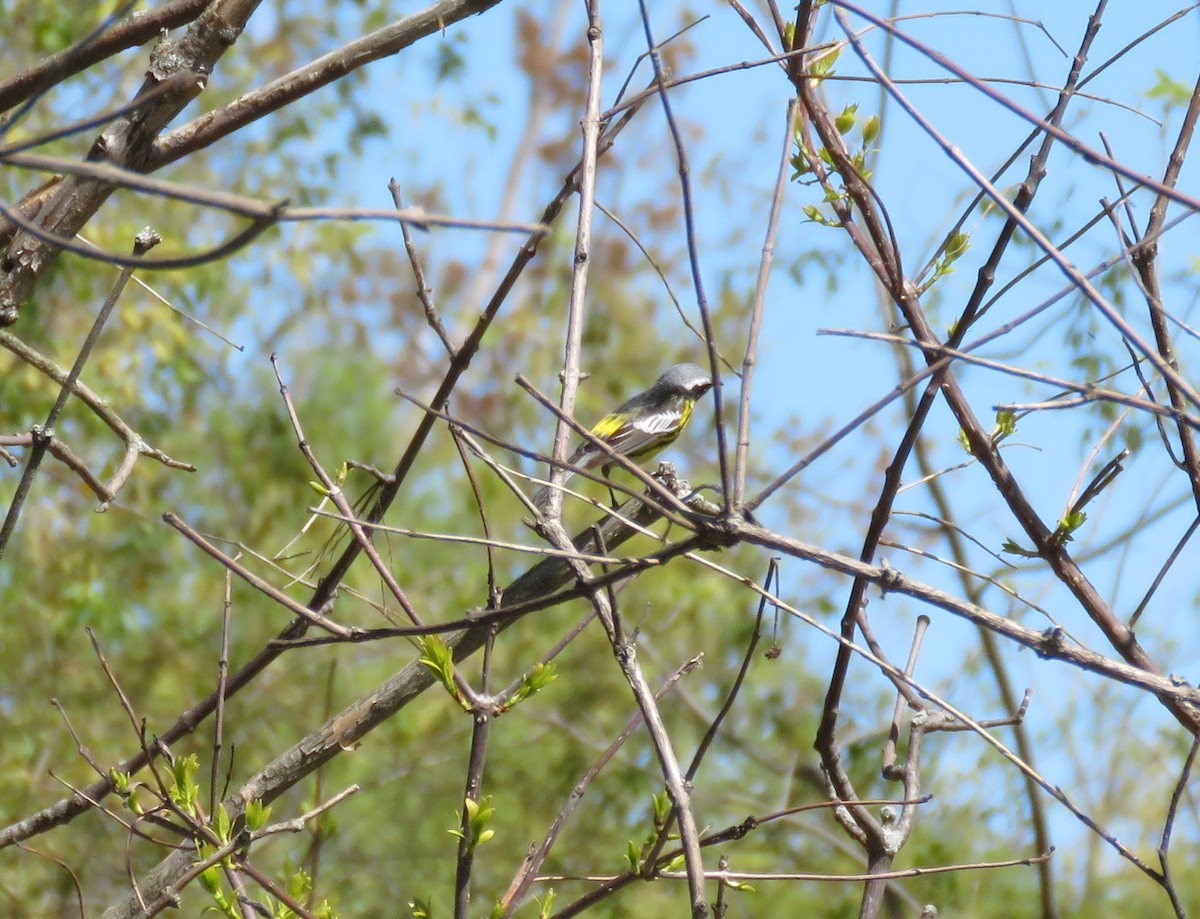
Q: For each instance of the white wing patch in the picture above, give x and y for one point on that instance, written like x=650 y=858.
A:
x=633 y=437
x=660 y=423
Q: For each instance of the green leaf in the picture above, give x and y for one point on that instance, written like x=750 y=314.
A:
x=1073 y=520
x=478 y=816
x=221 y=824
x=450 y=62
x=210 y=878
x=813 y=213
x=661 y=803
x=299 y=884
x=871 y=129
x=957 y=244
x=1006 y=424
x=823 y=65
x=257 y=814
x=965 y=442
x=1173 y=92
x=633 y=855
x=184 y=790
x=537 y=679
x=438 y=658
x=1013 y=548
x=1070 y=522
x=845 y=121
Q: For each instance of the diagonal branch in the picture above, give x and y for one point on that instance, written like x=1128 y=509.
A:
x=125 y=142
x=344 y=730
x=136 y=30
x=391 y=39
x=69 y=808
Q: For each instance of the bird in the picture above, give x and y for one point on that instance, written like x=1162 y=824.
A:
x=642 y=426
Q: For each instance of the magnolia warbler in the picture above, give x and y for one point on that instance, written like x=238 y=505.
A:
x=642 y=426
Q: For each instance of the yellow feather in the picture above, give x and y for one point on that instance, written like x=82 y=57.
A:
x=608 y=426
x=688 y=405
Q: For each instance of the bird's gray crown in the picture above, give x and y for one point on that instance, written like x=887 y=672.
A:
x=685 y=378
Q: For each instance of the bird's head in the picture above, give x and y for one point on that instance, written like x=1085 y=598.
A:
x=688 y=380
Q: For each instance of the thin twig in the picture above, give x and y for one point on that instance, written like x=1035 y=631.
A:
x=980 y=442
x=343 y=730
x=293 y=606
x=338 y=496
x=710 y=338
x=42 y=434
x=526 y=874
x=756 y=314
x=206 y=129
x=424 y=293
x=489 y=543
x=222 y=684
x=481 y=721
x=135 y=31
x=894 y=581
x=1164 y=844
x=714 y=727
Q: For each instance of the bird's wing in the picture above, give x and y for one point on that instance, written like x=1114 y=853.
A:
x=630 y=436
